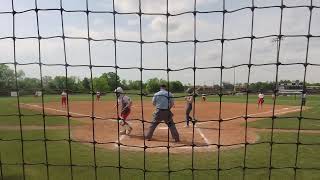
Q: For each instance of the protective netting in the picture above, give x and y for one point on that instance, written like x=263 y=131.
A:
x=194 y=68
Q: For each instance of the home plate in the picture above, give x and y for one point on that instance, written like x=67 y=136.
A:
x=163 y=127
x=285 y=108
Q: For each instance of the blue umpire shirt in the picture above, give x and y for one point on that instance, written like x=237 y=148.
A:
x=161 y=100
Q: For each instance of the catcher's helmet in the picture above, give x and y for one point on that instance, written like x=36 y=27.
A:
x=118 y=90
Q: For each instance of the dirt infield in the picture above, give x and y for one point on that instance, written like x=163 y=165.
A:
x=206 y=133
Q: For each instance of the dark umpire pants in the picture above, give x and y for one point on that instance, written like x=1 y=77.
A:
x=166 y=116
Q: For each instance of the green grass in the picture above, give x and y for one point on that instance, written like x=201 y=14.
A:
x=82 y=154
x=311 y=114
x=8 y=106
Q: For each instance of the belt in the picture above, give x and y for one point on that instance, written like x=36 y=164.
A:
x=163 y=109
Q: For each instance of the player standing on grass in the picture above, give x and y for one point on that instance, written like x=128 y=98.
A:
x=204 y=97
x=98 y=95
x=189 y=101
x=303 y=98
x=163 y=101
x=64 y=98
x=260 y=99
x=125 y=104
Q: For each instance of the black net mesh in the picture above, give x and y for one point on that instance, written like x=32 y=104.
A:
x=222 y=40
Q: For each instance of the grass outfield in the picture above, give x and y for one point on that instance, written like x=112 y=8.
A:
x=231 y=161
x=82 y=155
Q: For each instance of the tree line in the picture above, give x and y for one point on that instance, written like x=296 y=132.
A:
x=107 y=82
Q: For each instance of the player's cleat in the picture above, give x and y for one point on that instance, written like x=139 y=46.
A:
x=128 y=131
x=123 y=132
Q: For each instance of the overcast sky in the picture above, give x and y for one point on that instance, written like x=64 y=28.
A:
x=209 y=26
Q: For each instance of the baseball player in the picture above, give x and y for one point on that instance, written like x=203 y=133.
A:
x=260 y=99
x=204 y=97
x=125 y=104
x=303 y=98
x=64 y=98
x=98 y=95
x=163 y=101
x=189 y=101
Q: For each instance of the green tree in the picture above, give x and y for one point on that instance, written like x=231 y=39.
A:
x=7 y=78
x=124 y=84
x=30 y=84
x=86 y=84
x=176 y=86
x=153 y=85
x=100 y=84
x=58 y=84
x=112 y=79
x=136 y=85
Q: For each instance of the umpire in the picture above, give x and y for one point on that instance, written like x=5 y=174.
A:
x=163 y=101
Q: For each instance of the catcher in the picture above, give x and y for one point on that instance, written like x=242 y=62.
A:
x=125 y=104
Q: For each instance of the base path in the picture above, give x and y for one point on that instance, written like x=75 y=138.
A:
x=207 y=133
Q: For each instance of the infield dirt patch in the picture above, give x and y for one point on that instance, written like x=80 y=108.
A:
x=207 y=133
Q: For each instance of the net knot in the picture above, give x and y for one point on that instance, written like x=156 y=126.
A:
x=168 y=70
x=309 y=36
x=224 y=11
x=39 y=37
x=222 y=40
x=114 y=12
x=196 y=41
x=14 y=12
x=194 y=68
x=168 y=14
x=194 y=13
x=311 y=8
x=283 y=6
x=278 y=63
x=306 y=64
x=252 y=8
x=36 y=10
x=253 y=37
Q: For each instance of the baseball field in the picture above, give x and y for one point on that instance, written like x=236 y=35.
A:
x=49 y=153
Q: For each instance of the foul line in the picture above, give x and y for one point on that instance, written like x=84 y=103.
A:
x=277 y=112
x=70 y=112
x=203 y=136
